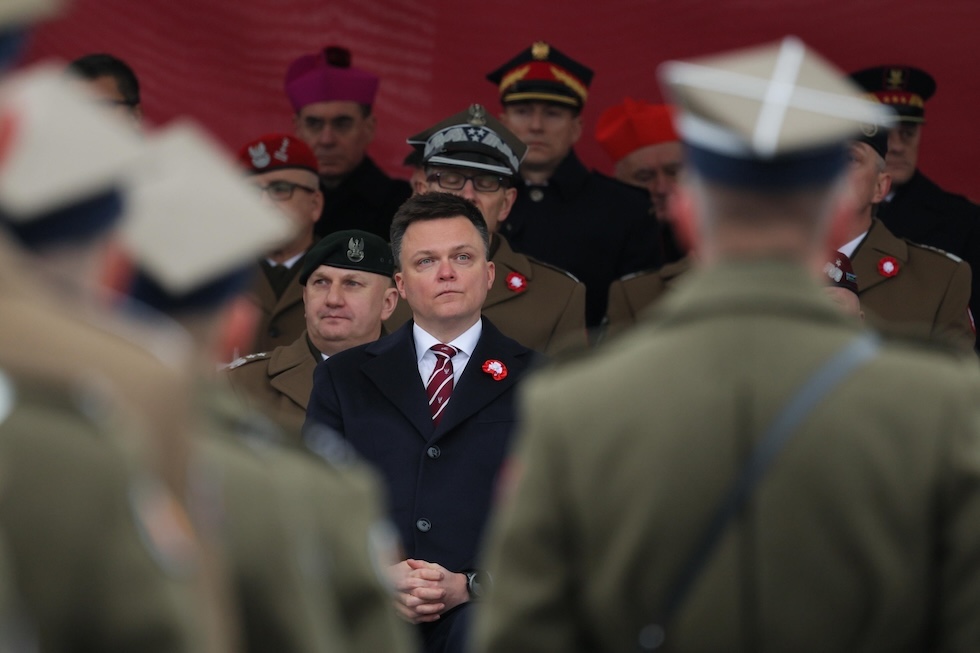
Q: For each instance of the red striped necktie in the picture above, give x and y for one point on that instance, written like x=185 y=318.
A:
x=440 y=385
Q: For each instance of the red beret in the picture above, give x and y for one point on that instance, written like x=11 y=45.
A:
x=275 y=152
x=634 y=124
x=327 y=76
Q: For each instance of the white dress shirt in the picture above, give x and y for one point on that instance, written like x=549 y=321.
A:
x=465 y=343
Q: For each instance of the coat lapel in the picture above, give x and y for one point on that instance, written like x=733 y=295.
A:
x=291 y=296
x=394 y=369
x=507 y=263
x=878 y=244
x=476 y=388
x=291 y=371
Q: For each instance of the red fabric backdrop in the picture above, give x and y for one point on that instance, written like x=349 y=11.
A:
x=222 y=61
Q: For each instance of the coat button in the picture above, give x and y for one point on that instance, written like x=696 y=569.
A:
x=423 y=525
x=536 y=194
x=433 y=452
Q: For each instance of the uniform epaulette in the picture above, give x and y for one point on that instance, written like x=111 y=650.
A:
x=554 y=268
x=251 y=358
x=952 y=257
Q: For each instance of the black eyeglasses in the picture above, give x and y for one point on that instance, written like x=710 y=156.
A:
x=485 y=183
x=280 y=191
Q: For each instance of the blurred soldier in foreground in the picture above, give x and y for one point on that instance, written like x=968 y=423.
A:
x=473 y=155
x=103 y=553
x=306 y=575
x=748 y=469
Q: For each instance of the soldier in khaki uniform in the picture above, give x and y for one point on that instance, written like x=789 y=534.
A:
x=267 y=507
x=55 y=333
x=906 y=289
x=626 y=526
x=284 y=171
x=65 y=469
x=473 y=155
x=348 y=292
x=630 y=295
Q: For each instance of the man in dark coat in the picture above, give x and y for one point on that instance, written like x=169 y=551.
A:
x=917 y=208
x=472 y=155
x=333 y=103
x=593 y=226
x=432 y=406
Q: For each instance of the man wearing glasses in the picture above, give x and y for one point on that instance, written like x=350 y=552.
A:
x=471 y=154
x=284 y=170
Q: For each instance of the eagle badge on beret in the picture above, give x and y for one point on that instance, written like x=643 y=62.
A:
x=355 y=250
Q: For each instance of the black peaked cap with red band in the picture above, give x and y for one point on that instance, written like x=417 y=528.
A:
x=545 y=74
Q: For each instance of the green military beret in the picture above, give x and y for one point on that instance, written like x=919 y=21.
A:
x=351 y=249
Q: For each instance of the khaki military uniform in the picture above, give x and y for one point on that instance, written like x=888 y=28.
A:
x=278 y=383
x=624 y=457
x=55 y=337
x=926 y=296
x=43 y=334
x=630 y=295
x=102 y=556
x=351 y=526
x=283 y=318
x=297 y=534
x=540 y=306
x=273 y=564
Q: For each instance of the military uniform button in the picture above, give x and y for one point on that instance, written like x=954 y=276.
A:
x=433 y=452
x=536 y=194
x=423 y=525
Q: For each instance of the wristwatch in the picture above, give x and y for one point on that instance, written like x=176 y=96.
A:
x=478 y=583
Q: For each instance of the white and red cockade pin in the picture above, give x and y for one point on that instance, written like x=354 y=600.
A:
x=496 y=369
x=516 y=282
x=888 y=266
